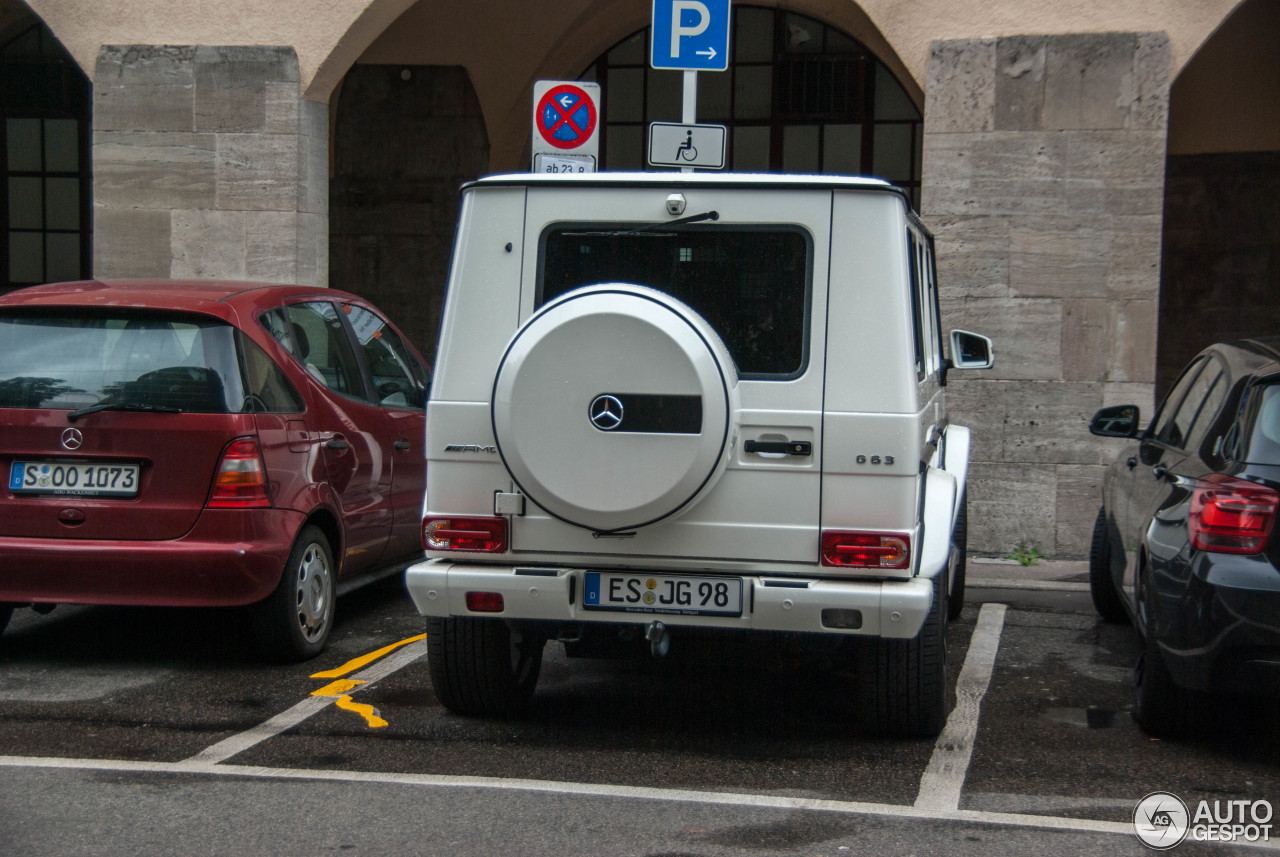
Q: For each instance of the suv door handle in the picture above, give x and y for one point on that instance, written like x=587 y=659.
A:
x=779 y=447
x=337 y=443
x=403 y=445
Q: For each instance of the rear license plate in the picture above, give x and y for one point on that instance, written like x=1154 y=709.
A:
x=663 y=593
x=80 y=480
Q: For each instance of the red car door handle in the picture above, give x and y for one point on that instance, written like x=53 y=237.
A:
x=337 y=443
x=403 y=445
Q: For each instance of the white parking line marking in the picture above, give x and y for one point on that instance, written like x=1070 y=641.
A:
x=944 y=777
x=308 y=707
x=1081 y=825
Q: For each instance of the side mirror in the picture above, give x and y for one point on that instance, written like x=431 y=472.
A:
x=971 y=351
x=1115 y=421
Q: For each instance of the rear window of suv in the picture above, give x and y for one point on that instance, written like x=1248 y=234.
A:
x=75 y=359
x=752 y=284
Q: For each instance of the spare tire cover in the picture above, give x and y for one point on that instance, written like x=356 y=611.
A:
x=615 y=406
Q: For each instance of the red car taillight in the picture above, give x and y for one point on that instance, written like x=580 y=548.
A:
x=1230 y=515
x=484 y=535
x=866 y=550
x=241 y=480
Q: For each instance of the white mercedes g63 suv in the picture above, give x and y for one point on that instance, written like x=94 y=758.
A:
x=671 y=402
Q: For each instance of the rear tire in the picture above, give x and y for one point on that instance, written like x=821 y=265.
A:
x=960 y=538
x=904 y=682
x=1106 y=599
x=6 y=611
x=293 y=623
x=482 y=667
x=1161 y=707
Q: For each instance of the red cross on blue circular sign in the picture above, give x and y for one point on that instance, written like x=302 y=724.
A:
x=566 y=116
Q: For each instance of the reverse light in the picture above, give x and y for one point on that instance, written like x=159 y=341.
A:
x=482 y=535
x=1230 y=515
x=866 y=550
x=241 y=480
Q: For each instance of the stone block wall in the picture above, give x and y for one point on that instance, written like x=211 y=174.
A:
x=208 y=163
x=1044 y=163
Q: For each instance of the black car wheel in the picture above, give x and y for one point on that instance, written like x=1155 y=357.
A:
x=1106 y=599
x=482 y=667
x=6 y=611
x=960 y=538
x=904 y=682
x=1161 y=707
x=293 y=623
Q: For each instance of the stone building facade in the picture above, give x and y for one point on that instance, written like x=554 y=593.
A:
x=1101 y=177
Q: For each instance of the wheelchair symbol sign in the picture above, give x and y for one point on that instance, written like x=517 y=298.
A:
x=566 y=116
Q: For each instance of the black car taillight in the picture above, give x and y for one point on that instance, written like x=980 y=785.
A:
x=1230 y=515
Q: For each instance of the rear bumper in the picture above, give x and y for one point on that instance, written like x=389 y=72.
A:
x=231 y=557
x=1220 y=629
x=894 y=609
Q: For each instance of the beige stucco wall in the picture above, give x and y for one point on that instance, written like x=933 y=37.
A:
x=514 y=35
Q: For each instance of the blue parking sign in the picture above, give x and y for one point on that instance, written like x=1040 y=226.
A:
x=692 y=35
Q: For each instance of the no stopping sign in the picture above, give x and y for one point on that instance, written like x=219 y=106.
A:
x=566 y=115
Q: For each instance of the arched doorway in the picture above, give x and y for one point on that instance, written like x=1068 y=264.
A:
x=799 y=96
x=1220 y=263
x=44 y=153
x=404 y=138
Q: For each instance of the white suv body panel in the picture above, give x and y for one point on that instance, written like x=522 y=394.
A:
x=883 y=457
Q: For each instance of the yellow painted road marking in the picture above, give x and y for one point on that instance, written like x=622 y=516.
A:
x=337 y=688
x=341 y=687
x=353 y=665
x=368 y=712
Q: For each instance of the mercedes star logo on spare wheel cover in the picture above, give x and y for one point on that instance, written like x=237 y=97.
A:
x=72 y=439
x=606 y=412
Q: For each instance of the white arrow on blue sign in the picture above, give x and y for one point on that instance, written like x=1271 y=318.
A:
x=692 y=35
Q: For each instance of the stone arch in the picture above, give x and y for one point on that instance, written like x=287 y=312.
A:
x=1220 y=265
x=604 y=23
x=376 y=17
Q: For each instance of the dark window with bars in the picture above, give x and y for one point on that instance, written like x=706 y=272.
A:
x=44 y=199
x=799 y=96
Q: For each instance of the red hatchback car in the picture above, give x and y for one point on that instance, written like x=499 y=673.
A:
x=173 y=443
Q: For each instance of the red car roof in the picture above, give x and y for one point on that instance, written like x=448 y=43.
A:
x=155 y=293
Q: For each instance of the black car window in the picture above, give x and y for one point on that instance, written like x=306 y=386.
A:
x=1263 y=444
x=1209 y=405
x=1167 y=427
x=399 y=379
x=321 y=344
x=750 y=283
x=1180 y=428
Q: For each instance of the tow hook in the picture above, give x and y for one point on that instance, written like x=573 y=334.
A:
x=659 y=639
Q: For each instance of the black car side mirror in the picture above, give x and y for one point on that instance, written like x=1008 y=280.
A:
x=1115 y=421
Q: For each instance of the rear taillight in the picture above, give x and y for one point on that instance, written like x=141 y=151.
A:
x=241 y=480
x=483 y=535
x=1230 y=515
x=866 y=550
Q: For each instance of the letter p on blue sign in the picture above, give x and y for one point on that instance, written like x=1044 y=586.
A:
x=692 y=35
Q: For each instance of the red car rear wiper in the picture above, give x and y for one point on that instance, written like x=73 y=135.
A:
x=121 y=406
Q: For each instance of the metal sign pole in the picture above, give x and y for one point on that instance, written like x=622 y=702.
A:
x=690 y=112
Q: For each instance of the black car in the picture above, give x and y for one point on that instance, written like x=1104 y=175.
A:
x=1183 y=542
